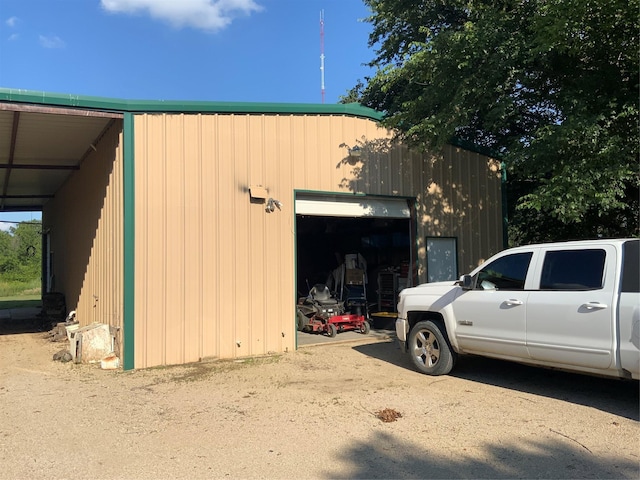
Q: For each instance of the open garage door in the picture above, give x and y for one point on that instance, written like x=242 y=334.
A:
x=351 y=206
x=360 y=246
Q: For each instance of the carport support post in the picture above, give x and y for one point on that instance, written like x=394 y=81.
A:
x=128 y=337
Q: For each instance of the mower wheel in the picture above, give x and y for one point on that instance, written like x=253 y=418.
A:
x=365 y=328
x=302 y=321
x=332 y=330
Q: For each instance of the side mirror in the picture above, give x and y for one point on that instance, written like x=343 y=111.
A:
x=466 y=282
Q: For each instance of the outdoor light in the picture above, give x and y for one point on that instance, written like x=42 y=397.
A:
x=272 y=205
x=355 y=152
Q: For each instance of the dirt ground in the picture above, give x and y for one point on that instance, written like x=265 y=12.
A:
x=352 y=410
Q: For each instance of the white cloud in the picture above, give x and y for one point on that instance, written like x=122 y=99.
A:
x=51 y=42
x=210 y=15
x=11 y=22
x=5 y=226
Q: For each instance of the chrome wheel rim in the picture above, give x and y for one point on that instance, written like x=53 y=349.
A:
x=426 y=349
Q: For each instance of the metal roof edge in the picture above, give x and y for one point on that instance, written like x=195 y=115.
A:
x=177 y=106
x=474 y=147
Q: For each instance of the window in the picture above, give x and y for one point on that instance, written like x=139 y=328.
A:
x=573 y=270
x=442 y=259
x=505 y=273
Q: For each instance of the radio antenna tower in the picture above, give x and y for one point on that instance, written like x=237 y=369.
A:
x=322 y=54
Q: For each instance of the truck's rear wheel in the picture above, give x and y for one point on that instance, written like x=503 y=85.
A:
x=429 y=350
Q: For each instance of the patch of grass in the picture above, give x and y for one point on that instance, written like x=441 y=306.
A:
x=13 y=288
x=194 y=372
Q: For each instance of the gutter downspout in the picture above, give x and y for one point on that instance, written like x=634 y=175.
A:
x=505 y=210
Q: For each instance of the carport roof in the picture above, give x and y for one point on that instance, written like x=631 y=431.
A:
x=44 y=136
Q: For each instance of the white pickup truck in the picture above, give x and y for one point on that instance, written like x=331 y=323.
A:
x=570 y=305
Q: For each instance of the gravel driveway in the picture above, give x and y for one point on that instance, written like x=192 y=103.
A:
x=314 y=413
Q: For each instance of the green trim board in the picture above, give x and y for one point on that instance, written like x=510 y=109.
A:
x=505 y=206
x=350 y=194
x=472 y=147
x=176 y=106
x=128 y=337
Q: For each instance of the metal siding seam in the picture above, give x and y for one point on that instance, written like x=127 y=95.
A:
x=128 y=337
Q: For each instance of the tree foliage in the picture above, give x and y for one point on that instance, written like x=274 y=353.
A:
x=551 y=86
x=21 y=252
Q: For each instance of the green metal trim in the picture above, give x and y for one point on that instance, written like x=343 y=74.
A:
x=505 y=210
x=295 y=269
x=129 y=243
x=472 y=147
x=175 y=106
x=352 y=194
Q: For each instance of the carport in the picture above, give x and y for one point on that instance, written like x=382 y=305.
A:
x=41 y=146
x=65 y=160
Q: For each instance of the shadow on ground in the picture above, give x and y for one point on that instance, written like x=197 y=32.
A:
x=387 y=457
x=618 y=397
x=14 y=321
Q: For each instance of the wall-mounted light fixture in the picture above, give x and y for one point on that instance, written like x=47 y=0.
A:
x=258 y=192
x=272 y=205
x=355 y=152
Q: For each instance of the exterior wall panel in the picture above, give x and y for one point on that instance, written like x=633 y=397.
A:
x=84 y=221
x=215 y=272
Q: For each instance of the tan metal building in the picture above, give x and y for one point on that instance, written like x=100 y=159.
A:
x=194 y=227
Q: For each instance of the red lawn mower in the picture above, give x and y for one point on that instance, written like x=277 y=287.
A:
x=320 y=312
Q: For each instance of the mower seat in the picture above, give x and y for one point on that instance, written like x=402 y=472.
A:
x=321 y=294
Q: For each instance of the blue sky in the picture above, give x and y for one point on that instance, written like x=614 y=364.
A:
x=217 y=50
x=209 y=50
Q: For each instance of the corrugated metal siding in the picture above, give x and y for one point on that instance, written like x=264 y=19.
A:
x=460 y=195
x=85 y=224
x=215 y=272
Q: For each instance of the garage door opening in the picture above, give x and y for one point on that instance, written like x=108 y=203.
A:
x=359 y=248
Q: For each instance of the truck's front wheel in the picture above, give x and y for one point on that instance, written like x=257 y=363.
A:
x=429 y=350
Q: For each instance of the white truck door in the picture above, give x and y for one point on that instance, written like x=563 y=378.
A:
x=570 y=315
x=491 y=318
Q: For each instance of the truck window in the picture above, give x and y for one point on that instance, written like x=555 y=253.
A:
x=573 y=270
x=505 y=273
x=631 y=266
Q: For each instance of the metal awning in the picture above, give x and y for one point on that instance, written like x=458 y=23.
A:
x=40 y=147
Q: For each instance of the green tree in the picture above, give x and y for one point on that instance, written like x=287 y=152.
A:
x=551 y=86
x=8 y=257
x=28 y=240
x=21 y=252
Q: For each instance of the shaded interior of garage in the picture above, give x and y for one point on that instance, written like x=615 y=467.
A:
x=325 y=242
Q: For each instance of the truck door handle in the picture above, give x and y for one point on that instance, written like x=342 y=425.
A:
x=513 y=301
x=594 y=305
